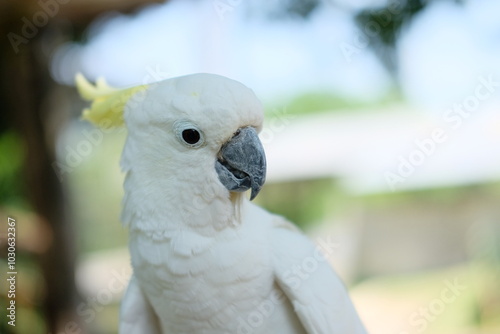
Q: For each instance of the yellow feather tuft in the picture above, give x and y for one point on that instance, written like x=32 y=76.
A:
x=108 y=103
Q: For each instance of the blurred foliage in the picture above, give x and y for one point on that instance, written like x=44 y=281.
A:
x=322 y=102
x=11 y=162
x=391 y=19
x=442 y=196
x=96 y=193
x=476 y=306
x=295 y=8
x=282 y=9
x=307 y=203
x=302 y=202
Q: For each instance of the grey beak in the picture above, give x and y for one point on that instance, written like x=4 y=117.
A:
x=241 y=164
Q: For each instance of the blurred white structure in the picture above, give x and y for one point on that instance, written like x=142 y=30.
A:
x=390 y=150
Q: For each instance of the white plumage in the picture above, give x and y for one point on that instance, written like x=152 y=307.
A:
x=205 y=259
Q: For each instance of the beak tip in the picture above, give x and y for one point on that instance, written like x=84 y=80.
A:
x=256 y=188
x=253 y=194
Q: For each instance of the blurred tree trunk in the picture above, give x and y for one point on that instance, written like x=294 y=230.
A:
x=25 y=88
x=25 y=84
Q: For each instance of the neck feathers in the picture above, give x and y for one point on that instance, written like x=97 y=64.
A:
x=168 y=205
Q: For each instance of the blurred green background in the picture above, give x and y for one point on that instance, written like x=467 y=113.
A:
x=399 y=248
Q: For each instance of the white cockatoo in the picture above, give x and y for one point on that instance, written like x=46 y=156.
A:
x=205 y=259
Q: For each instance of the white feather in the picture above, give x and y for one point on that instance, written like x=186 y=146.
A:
x=136 y=314
x=317 y=294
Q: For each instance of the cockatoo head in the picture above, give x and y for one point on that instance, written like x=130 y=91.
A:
x=201 y=122
x=196 y=134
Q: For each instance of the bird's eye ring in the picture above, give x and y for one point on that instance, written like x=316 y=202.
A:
x=189 y=134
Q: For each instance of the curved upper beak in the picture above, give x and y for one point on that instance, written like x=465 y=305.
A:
x=241 y=162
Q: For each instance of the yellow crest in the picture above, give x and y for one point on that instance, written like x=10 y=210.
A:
x=108 y=103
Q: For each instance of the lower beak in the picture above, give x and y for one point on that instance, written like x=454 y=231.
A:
x=241 y=163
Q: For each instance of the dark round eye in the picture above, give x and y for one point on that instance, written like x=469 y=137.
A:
x=191 y=136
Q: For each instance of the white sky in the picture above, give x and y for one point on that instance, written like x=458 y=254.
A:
x=447 y=48
x=441 y=57
x=182 y=37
